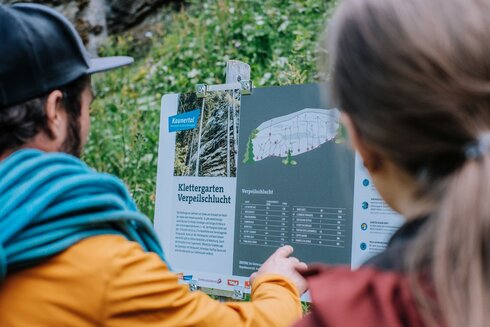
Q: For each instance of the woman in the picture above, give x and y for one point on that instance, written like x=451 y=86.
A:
x=413 y=80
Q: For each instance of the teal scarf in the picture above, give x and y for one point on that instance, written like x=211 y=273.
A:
x=48 y=202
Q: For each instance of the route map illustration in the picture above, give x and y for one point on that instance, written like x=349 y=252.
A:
x=292 y=135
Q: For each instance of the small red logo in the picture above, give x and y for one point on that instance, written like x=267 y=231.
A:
x=247 y=284
x=232 y=282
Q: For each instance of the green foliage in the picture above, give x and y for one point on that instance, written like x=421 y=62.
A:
x=277 y=38
x=341 y=135
x=180 y=168
x=248 y=157
x=289 y=160
x=305 y=306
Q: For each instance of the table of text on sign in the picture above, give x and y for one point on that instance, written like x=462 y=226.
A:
x=320 y=226
x=266 y=224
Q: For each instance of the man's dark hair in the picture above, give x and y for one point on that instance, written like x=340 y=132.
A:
x=22 y=122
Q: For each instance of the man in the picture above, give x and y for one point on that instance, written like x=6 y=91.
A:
x=74 y=251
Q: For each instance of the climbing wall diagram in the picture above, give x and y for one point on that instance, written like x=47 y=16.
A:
x=291 y=135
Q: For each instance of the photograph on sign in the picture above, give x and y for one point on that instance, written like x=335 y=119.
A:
x=207 y=146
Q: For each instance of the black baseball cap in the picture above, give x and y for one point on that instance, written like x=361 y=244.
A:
x=40 y=51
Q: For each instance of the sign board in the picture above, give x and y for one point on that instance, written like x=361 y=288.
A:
x=239 y=176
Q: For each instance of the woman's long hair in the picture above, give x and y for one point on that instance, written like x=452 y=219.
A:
x=414 y=77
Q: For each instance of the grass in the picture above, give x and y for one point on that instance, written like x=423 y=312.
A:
x=277 y=38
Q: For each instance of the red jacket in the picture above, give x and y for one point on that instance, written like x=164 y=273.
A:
x=378 y=294
x=365 y=297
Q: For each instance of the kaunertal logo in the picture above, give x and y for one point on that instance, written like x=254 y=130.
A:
x=183 y=121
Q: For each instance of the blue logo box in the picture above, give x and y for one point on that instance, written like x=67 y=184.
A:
x=184 y=121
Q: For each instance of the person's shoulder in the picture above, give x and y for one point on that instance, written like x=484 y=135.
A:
x=364 y=297
x=101 y=248
x=71 y=285
x=111 y=243
x=105 y=254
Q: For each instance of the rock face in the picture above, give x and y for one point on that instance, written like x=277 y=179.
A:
x=95 y=19
x=219 y=141
x=211 y=148
x=127 y=13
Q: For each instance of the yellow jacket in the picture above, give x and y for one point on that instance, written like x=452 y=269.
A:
x=109 y=281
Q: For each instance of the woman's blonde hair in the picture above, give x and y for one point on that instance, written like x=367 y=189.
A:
x=414 y=77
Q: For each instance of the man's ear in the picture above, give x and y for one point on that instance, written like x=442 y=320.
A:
x=371 y=159
x=55 y=115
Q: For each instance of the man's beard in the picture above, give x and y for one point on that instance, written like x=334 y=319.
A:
x=72 y=143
